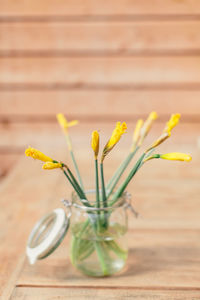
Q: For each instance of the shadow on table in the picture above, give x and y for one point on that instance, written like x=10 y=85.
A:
x=140 y=260
x=168 y=259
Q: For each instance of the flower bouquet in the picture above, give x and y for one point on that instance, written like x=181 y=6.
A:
x=99 y=216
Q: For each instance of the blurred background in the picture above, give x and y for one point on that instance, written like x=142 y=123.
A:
x=98 y=62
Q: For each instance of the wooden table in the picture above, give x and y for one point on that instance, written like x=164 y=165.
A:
x=164 y=257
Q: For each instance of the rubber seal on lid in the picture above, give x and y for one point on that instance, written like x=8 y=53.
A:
x=46 y=235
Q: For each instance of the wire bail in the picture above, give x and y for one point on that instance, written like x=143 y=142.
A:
x=128 y=204
x=68 y=205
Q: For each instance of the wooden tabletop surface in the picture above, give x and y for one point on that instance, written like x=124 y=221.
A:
x=164 y=242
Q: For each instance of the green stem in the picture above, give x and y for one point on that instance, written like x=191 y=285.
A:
x=146 y=156
x=72 y=183
x=77 y=188
x=114 y=176
x=76 y=183
x=77 y=169
x=103 y=190
x=73 y=250
x=97 y=195
x=97 y=184
x=120 y=171
x=84 y=245
x=76 y=245
x=85 y=225
x=116 y=249
x=87 y=253
x=69 y=144
x=100 y=252
x=121 y=189
x=110 y=182
x=104 y=199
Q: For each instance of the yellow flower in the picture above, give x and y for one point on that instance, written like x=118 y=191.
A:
x=36 y=154
x=153 y=116
x=136 y=133
x=95 y=143
x=173 y=121
x=176 y=156
x=160 y=140
x=64 y=123
x=115 y=137
x=50 y=165
x=147 y=126
x=172 y=156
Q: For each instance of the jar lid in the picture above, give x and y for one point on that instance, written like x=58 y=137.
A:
x=47 y=234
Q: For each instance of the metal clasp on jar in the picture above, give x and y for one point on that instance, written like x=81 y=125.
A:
x=68 y=205
x=128 y=204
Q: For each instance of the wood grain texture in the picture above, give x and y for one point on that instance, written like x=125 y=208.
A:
x=159 y=258
x=8 y=161
x=165 y=257
x=101 y=71
x=32 y=293
x=19 y=213
x=127 y=38
x=48 y=136
x=165 y=243
x=105 y=7
x=96 y=105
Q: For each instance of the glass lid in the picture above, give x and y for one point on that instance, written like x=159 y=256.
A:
x=46 y=235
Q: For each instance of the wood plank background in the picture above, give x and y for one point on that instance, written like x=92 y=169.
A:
x=95 y=61
x=95 y=8
x=84 y=38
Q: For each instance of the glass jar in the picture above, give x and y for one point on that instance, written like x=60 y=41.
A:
x=98 y=236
